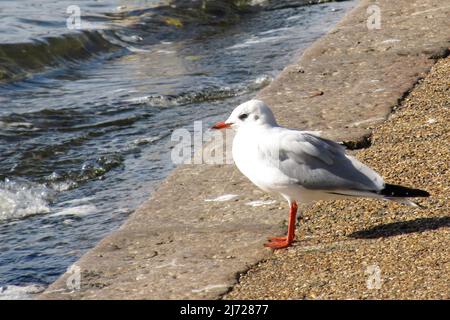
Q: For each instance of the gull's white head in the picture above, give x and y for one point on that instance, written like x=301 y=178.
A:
x=250 y=113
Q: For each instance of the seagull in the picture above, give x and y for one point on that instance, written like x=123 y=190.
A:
x=301 y=166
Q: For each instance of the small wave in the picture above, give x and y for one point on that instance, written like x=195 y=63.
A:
x=18 y=60
x=99 y=167
x=89 y=170
x=78 y=211
x=59 y=183
x=16 y=125
x=125 y=30
x=43 y=119
x=208 y=94
x=262 y=81
x=272 y=31
x=147 y=140
x=279 y=5
x=254 y=40
x=12 y=292
x=112 y=32
x=22 y=198
x=187 y=97
x=19 y=199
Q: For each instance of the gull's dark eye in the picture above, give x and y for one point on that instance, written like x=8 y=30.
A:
x=243 y=116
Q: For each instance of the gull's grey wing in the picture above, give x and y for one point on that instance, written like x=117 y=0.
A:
x=317 y=163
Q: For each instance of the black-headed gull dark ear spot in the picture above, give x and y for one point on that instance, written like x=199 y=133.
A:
x=256 y=117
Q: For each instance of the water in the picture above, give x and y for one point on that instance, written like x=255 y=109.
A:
x=86 y=115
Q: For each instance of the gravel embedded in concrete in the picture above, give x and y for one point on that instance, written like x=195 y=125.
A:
x=341 y=245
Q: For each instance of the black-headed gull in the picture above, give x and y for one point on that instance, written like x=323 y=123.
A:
x=300 y=165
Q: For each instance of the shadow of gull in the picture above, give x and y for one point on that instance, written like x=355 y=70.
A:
x=404 y=227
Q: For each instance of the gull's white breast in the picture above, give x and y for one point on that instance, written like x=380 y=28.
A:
x=255 y=153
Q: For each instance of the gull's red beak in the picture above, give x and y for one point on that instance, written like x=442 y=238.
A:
x=221 y=125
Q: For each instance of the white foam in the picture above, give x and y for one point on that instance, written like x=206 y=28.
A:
x=225 y=197
x=156 y=100
x=19 y=199
x=12 y=292
x=63 y=185
x=263 y=80
x=138 y=99
x=298 y=16
x=79 y=211
x=253 y=41
x=136 y=50
x=27 y=125
x=141 y=141
x=274 y=30
x=166 y=51
x=77 y=201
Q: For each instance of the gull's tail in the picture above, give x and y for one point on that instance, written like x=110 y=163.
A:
x=395 y=191
x=399 y=194
x=390 y=192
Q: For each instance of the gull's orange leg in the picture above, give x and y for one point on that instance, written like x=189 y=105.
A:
x=284 y=242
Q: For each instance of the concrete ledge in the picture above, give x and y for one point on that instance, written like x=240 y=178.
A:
x=177 y=245
x=350 y=79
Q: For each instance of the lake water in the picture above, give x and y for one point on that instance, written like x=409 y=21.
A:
x=88 y=107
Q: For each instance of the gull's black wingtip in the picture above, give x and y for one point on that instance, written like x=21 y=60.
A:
x=394 y=191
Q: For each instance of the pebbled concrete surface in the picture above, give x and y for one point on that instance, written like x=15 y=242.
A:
x=177 y=245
